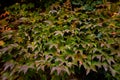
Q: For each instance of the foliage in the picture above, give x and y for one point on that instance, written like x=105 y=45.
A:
x=61 y=43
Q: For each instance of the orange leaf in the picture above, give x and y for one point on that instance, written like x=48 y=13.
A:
x=2 y=43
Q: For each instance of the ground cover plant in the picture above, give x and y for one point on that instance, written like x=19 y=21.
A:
x=67 y=41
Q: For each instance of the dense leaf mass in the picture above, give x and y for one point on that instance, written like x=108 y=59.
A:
x=78 y=40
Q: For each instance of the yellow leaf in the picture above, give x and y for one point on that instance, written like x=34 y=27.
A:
x=84 y=56
x=112 y=24
x=59 y=22
x=2 y=43
x=19 y=39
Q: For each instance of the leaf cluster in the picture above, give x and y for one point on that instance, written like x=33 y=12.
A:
x=59 y=44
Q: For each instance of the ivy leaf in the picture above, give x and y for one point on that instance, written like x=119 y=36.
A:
x=24 y=68
x=60 y=69
x=66 y=70
x=110 y=41
x=83 y=56
x=9 y=64
x=105 y=66
x=40 y=65
x=110 y=60
x=48 y=22
x=87 y=71
x=58 y=33
x=113 y=72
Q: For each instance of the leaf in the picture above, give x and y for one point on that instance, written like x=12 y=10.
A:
x=40 y=65
x=76 y=3
x=5 y=14
x=52 y=70
x=105 y=66
x=91 y=36
x=110 y=60
x=48 y=22
x=87 y=71
x=19 y=39
x=112 y=71
x=53 y=12
x=9 y=64
x=83 y=56
x=60 y=69
x=59 y=22
x=24 y=68
x=47 y=57
x=58 y=33
x=67 y=70
x=2 y=43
